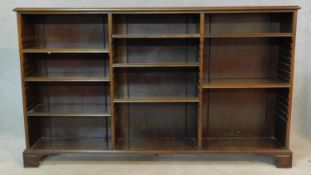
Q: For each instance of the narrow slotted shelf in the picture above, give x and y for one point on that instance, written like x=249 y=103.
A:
x=65 y=50
x=157 y=100
x=245 y=83
x=156 y=144
x=250 y=35
x=154 y=36
x=66 y=79
x=78 y=144
x=68 y=110
x=142 y=65
x=239 y=144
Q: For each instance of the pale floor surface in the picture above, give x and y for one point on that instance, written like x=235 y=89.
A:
x=11 y=163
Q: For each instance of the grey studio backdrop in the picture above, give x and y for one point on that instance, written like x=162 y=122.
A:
x=11 y=114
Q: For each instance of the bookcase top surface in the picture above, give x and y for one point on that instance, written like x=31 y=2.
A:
x=157 y=9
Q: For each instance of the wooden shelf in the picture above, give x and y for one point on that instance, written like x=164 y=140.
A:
x=156 y=144
x=156 y=100
x=64 y=50
x=245 y=83
x=66 y=110
x=66 y=79
x=83 y=144
x=141 y=65
x=240 y=144
x=154 y=36
x=250 y=35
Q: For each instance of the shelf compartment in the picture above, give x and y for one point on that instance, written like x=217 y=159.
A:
x=245 y=83
x=248 y=23
x=66 y=79
x=157 y=144
x=245 y=113
x=158 y=126
x=156 y=51
x=55 y=31
x=69 y=133
x=159 y=65
x=63 y=99
x=250 y=35
x=66 y=67
x=156 y=24
x=156 y=85
x=64 y=50
x=240 y=144
x=156 y=100
x=248 y=58
x=155 y=36
x=82 y=144
x=68 y=110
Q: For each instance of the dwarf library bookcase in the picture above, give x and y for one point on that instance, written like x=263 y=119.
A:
x=157 y=81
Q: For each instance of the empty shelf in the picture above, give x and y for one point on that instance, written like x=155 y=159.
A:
x=66 y=110
x=245 y=83
x=155 y=36
x=156 y=100
x=240 y=144
x=65 y=79
x=141 y=65
x=64 y=50
x=156 y=144
x=250 y=35
x=82 y=144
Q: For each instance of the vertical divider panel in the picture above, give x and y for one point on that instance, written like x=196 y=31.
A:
x=20 y=42
x=123 y=80
x=294 y=26
x=111 y=75
x=201 y=81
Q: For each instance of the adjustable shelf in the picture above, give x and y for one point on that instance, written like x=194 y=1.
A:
x=155 y=65
x=66 y=79
x=66 y=50
x=68 y=110
x=245 y=83
x=250 y=35
x=156 y=100
x=158 y=81
x=155 y=36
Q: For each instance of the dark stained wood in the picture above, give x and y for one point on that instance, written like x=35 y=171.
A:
x=25 y=99
x=251 y=23
x=158 y=9
x=284 y=161
x=79 y=31
x=201 y=80
x=291 y=70
x=142 y=36
x=156 y=144
x=70 y=144
x=236 y=144
x=65 y=50
x=31 y=160
x=156 y=100
x=66 y=79
x=142 y=65
x=157 y=80
x=250 y=35
x=62 y=110
x=245 y=83
x=112 y=83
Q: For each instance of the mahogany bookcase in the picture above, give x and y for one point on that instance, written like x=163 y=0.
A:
x=157 y=81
